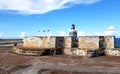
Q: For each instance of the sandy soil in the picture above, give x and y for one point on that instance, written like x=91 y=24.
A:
x=57 y=64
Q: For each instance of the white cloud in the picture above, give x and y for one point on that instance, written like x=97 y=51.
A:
x=81 y=33
x=39 y=6
x=2 y=36
x=109 y=31
x=97 y=34
x=110 y=28
x=117 y=34
x=61 y=33
x=22 y=35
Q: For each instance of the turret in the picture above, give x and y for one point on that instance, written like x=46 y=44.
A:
x=73 y=32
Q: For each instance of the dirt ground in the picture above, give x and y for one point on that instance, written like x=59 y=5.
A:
x=58 y=64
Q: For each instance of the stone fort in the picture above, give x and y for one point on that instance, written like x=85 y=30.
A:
x=71 y=45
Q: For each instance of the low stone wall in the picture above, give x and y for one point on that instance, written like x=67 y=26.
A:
x=67 y=51
x=108 y=52
x=112 y=52
x=81 y=52
x=26 y=52
x=39 y=42
x=75 y=51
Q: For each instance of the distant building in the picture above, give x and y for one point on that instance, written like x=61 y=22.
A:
x=73 y=32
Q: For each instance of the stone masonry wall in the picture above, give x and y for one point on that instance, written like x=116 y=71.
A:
x=88 y=42
x=109 y=41
x=66 y=44
x=112 y=52
x=39 y=42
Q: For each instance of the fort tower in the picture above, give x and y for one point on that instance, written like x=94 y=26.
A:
x=73 y=32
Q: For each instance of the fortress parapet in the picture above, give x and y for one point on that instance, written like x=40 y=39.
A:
x=38 y=45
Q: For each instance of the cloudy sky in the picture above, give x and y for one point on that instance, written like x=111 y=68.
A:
x=19 y=18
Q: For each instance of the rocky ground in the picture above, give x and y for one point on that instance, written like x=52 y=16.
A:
x=57 y=64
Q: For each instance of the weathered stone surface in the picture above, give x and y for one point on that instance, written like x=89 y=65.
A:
x=81 y=52
x=109 y=41
x=26 y=52
x=67 y=51
x=39 y=42
x=67 y=42
x=112 y=52
x=88 y=42
x=67 y=45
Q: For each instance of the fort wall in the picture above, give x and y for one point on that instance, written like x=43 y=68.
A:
x=68 y=45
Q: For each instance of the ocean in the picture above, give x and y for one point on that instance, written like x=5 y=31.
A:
x=117 y=42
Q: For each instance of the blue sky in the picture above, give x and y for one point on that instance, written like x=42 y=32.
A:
x=20 y=18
